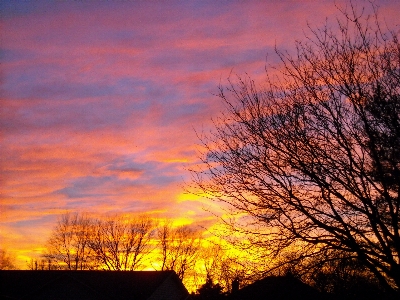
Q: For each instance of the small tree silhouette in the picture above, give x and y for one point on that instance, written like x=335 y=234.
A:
x=209 y=290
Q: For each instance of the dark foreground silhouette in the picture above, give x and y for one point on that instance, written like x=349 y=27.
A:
x=88 y=285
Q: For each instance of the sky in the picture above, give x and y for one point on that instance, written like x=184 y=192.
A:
x=101 y=101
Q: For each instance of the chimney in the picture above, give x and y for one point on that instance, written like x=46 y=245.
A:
x=235 y=285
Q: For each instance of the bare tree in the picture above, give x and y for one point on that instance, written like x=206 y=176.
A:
x=121 y=244
x=45 y=263
x=105 y=243
x=345 y=277
x=179 y=248
x=237 y=269
x=137 y=245
x=80 y=242
x=223 y=268
x=68 y=245
x=212 y=257
x=7 y=261
x=313 y=158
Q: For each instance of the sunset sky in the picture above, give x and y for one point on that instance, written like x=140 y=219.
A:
x=101 y=101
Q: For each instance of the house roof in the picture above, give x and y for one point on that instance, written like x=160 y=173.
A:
x=107 y=285
x=277 y=288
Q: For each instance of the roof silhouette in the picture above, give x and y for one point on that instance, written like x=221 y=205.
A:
x=107 y=285
x=278 y=288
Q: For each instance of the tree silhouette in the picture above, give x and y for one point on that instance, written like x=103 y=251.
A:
x=79 y=242
x=7 y=261
x=210 y=291
x=68 y=245
x=313 y=158
x=120 y=244
x=179 y=248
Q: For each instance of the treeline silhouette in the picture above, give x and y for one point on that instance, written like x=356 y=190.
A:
x=81 y=242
